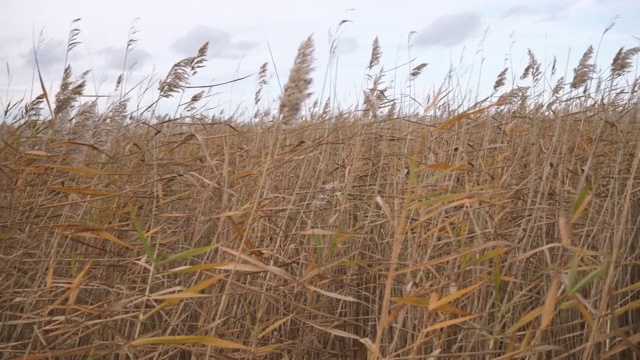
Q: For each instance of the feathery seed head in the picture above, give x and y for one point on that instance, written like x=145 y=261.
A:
x=180 y=72
x=501 y=79
x=622 y=61
x=416 y=71
x=376 y=54
x=584 y=71
x=296 y=91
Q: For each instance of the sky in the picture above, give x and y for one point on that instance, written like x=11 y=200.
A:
x=476 y=38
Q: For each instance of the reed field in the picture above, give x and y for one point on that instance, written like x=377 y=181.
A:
x=506 y=227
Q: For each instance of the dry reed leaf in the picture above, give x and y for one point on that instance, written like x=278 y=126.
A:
x=78 y=170
x=442 y=166
x=527 y=318
x=397 y=311
x=454 y=256
x=584 y=311
x=204 y=284
x=196 y=268
x=4 y=236
x=265 y=350
x=205 y=149
x=242 y=174
x=154 y=230
x=38 y=153
x=24 y=176
x=318 y=232
x=632 y=340
x=530 y=253
x=439 y=209
x=50 y=275
x=242 y=236
x=74 y=190
x=630 y=306
x=580 y=204
x=384 y=206
x=179 y=296
x=169 y=240
x=491 y=254
x=412 y=300
x=434 y=354
x=501 y=278
x=446 y=308
x=184 y=140
x=437 y=200
x=444 y=324
x=86 y=351
x=275 y=325
x=334 y=295
x=76 y=227
x=631 y=287
x=425 y=303
x=456 y=119
x=72 y=293
x=187 y=254
x=550 y=303
x=365 y=341
x=77 y=282
x=78 y=143
x=42 y=86
x=174 y=299
x=434 y=304
x=240 y=267
x=316 y=270
x=105 y=235
x=190 y=339
x=264 y=267
x=564 y=231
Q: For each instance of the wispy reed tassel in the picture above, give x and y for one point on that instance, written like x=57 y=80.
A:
x=296 y=91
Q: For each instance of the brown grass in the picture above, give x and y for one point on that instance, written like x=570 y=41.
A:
x=507 y=230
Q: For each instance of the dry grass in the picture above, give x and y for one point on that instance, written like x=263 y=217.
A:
x=508 y=230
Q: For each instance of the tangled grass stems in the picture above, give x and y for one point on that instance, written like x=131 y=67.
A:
x=505 y=230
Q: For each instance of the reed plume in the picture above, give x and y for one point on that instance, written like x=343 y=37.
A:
x=296 y=90
x=584 y=71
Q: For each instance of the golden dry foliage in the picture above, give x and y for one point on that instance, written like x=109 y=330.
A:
x=503 y=229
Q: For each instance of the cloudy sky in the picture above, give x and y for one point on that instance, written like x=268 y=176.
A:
x=477 y=37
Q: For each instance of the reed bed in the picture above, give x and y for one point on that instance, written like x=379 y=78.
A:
x=504 y=229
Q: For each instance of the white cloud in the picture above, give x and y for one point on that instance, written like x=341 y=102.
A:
x=449 y=30
x=51 y=54
x=540 y=11
x=221 y=43
x=583 y=4
x=348 y=45
x=114 y=58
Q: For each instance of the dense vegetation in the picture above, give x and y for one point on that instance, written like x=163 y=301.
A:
x=507 y=228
